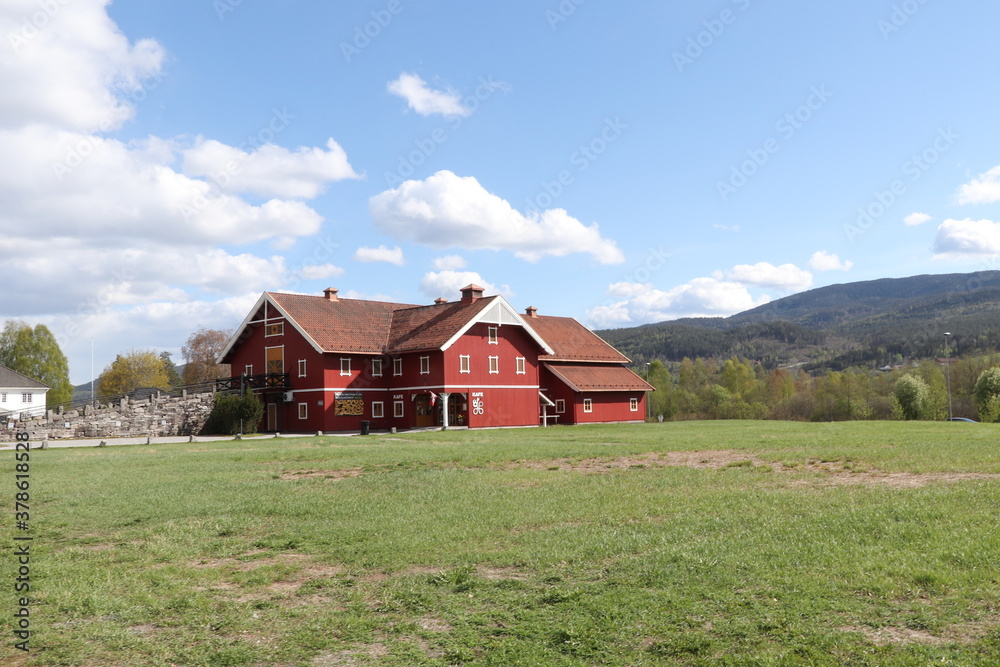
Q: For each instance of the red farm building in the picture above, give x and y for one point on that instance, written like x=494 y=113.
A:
x=323 y=363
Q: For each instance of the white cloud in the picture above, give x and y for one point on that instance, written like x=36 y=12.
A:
x=380 y=254
x=449 y=263
x=914 y=219
x=963 y=238
x=822 y=260
x=269 y=171
x=76 y=71
x=447 y=284
x=787 y=277
x=726 y=228
x=425 y=100
x=982 y=190
x=446 y=210
x=701 y=297
x=319 y=271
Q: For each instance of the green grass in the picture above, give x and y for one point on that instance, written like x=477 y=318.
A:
x=806 y=544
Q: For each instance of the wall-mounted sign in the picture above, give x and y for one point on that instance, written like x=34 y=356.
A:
x=349 y=404
x=478 y=406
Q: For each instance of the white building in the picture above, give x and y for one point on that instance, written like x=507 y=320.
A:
x=20 y=395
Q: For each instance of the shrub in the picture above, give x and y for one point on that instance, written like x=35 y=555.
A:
x=234 y=414
x=912 y=394
x=987 y=394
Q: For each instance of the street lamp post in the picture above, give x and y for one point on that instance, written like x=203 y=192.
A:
x=647 y=392
x=947 y=366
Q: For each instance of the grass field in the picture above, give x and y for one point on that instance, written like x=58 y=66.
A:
x=701 y=543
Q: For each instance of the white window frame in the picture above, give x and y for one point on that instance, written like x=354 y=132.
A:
x=248 y=369
x=3 y=397
x=425 y=365
x=633 y=404
x=588 y=405
x=279 y=325
x=494 y=365
x=560 y=406
x=521 y=366
x=27 y=397
x=378 y=409
x=344 y=371
x=303 y=411
x=302 y=368
x=464 y=363
x=493 y=335
x=398 y=409
x=397 y=366
x=376 y=368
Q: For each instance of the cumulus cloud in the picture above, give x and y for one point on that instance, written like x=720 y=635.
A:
x=76 y=71
x=319 y=271
x=914 y=219
x=701 y=297
x=447 y=210
x=380 y=254
x=449 y=263
x=425 y=100
x=447 y=284
x=982 y=190
x=822 y=260
x=270 y=170
x=787 y=277
x=965 y=238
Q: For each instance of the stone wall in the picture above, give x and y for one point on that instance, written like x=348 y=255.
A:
x=160 y=414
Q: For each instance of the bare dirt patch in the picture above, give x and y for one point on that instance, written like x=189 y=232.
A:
x=359 y=655
x=832 y=472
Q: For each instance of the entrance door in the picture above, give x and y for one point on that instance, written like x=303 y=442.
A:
x=272 y=416
x=425 y=413
x=275 y=360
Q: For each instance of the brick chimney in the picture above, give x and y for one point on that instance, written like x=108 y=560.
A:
x=331 y=294
x=440 y=301
x=531 y=312
x=471 y=293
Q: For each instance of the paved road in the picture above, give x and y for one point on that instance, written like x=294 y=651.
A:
x=94 y=442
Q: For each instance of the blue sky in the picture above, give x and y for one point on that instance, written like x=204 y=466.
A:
x=621 y=163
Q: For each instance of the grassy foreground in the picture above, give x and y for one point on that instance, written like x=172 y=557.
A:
x=701 y=543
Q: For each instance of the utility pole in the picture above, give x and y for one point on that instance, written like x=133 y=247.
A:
x=947 y=366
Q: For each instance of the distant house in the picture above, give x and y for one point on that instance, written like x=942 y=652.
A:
x=20 y=395
x=323 y=363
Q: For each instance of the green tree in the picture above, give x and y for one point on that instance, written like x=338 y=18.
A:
x=987 y=394
x=136 y=369
x=912 y=395
x=200 y=351
x=168 y=365
x=36 y=354
x=234 y=414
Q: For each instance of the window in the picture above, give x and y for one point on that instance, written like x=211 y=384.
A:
x=588 y=405
x=345 y=365
x=560 y=405
x=3 y=397
x=493 y=336
x=494 y=365
x=633 y=404
x=378 y=410
x=425 y=365
x=303 y=410
x=26 y=398
x=275 y=329
x=248 y=369
x=376 y=368
x=302 y=368
x=397 y=409
x=520 y=366
x=463 y=364
x=397 y=366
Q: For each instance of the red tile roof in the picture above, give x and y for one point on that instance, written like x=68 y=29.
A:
x=598 y=377
x=345 y=325
x=571 y=341
x=377 y=327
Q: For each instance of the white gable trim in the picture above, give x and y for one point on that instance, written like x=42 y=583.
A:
x=499 y=312
x=264 y=301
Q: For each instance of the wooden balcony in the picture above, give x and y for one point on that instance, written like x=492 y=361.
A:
x=263 y=382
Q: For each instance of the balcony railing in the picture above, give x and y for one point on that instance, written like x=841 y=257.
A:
x=263 y=382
